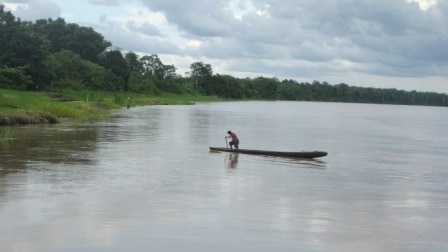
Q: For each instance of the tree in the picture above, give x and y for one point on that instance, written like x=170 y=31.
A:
x=201 y=73
x=87 y=43
x=8 y=30
x=154 y=68
x=267 y=87
x=134 y=63
x=22 y=48
x=225 y=86
x=78 y=39
x=14 y=78
x=71 y=71
x=169 y=72
x=115 y=62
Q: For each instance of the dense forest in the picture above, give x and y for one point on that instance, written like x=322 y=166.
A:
x=52 y=54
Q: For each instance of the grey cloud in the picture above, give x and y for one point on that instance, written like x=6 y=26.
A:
x=396 y=34
x=196 y=17
x=202 y=19
x=145 y=28
x=135 y=38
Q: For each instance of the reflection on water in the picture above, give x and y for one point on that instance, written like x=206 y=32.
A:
x=144 y=179
x=300 y=162
x=48 y=144
x=232 y=160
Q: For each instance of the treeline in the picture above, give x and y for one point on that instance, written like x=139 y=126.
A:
x=52 y=54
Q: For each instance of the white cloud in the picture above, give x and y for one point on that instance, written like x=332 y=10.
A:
x=195 y=44
x=31 y=10
x=425 y=4
x=13 y=6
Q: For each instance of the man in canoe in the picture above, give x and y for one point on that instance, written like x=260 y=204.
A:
x=235 y=141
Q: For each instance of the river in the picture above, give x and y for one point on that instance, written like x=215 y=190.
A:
x=143 y=179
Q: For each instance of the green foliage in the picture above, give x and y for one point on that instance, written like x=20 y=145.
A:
x=225 y=86
x=116 y=63
x=15 y=78
x=153 y=67
x=69 y=70
x=267 y=88
x=201 y=74
x=22 y=48
x=83 y=41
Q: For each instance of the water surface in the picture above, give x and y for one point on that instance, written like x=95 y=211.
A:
x=144 y=180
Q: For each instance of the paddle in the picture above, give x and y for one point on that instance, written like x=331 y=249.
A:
x=226 y=143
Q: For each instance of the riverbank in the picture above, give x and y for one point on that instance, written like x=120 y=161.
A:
x=25 y=107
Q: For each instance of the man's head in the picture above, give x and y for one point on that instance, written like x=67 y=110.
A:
x=229 y=132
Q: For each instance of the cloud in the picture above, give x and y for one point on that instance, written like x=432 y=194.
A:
x=31 y=10
x=135 y=37
x=105 y=2
x=17 y=2
x=144 y=28
x=394 y=34
x=425 y=4
x=195 y=17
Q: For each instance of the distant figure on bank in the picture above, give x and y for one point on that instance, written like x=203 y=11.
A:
x=235 y=141
x=129 y=103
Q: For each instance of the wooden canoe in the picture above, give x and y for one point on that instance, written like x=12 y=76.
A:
x=290 y=154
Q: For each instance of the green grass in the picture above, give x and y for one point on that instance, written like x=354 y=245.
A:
x=173 y=99
x=22 y=107
x=119 y=99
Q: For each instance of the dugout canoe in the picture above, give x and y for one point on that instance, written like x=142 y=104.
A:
x=290 y=154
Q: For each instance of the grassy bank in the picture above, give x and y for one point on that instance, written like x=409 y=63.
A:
x=23 y=107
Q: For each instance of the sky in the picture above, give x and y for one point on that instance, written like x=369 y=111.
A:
x=400 y=44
